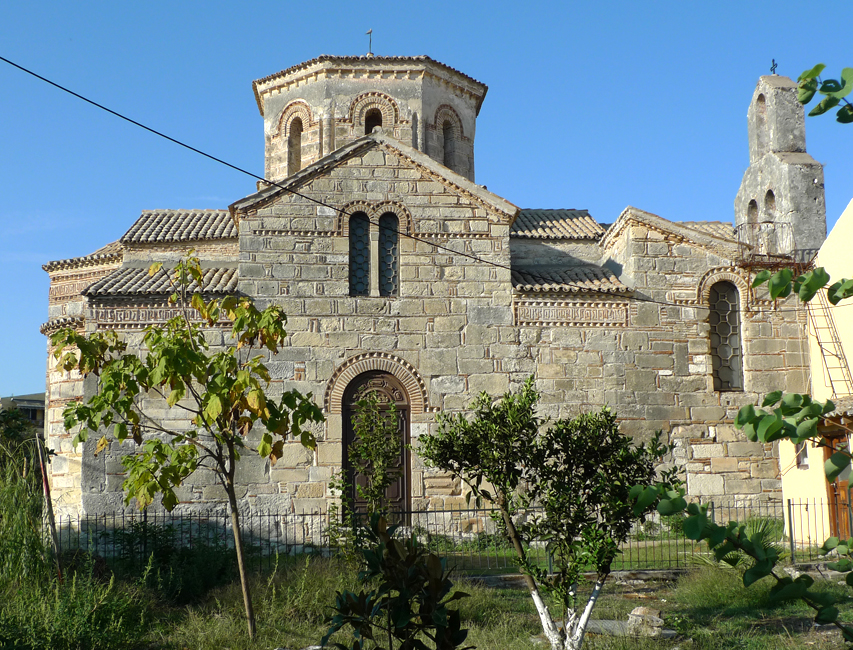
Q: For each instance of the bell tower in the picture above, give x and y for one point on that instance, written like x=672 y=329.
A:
x=314 y=108
x=780 y=209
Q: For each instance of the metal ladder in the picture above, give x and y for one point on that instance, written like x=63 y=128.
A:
x=836 y=370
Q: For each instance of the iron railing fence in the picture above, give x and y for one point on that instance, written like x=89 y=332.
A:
x=471 y=539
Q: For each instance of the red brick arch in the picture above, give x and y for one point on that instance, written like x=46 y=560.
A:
x=401 y=369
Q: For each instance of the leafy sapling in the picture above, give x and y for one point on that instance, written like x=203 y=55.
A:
x=567 y=483
x=221 y=393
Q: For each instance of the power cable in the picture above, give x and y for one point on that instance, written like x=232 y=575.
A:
x=532 y=274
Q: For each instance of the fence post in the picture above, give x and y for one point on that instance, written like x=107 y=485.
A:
x=791 y=530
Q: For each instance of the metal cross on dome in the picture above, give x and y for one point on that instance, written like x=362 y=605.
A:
x=773 y=67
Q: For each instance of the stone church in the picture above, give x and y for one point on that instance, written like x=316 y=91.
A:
x=401 y=274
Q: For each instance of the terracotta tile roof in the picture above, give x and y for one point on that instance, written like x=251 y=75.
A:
x=843 y=407
x=109 y=253
x=180 y=226
x=574 y=279
x=58 y=323
x=555 y=224
x=352 y=60
x=137 y=281
x=714 y=228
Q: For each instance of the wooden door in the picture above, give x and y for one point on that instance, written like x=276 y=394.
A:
x=389 y=392
x=838 y=493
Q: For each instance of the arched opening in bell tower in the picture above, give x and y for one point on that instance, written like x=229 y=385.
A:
x=372 y=119
x=294 y=146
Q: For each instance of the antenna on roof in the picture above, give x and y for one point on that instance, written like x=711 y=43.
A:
x=370 y=43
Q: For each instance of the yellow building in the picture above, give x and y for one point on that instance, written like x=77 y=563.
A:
x=820 y=509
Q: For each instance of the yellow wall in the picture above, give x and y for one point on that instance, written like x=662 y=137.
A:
x=805 y=489
x=836 y=256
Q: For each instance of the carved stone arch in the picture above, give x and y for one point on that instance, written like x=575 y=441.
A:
x=346 y=212
x=380 y=101
x=403 y=215
x=728 y=274
x=446 y=113
x=401 y=369
x=294 y=109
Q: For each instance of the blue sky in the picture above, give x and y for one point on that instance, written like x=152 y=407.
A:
x=596 y=107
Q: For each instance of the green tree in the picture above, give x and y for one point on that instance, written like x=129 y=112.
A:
x=221 y=392
x=567 y=483
x=834 y=91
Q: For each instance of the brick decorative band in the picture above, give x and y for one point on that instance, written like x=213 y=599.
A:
x=401 y=369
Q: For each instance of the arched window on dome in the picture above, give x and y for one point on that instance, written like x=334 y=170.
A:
x=726 y=350
x=389 y=254
x=359 y=255
x=294 y=146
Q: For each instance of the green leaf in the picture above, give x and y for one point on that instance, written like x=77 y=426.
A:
x=265 y=445
x=744 y=415
x=845 y=114
x=813 y=281
x=647 y=497
x=694 y=526
x=760 y=278
x=807 y=429
x=768 y=428
x=812 y=73
x=826 y=615
x=839 y=291
x=824 y=105
x=849 y=579
x=214 y=407
x=830 y=87
x=772 y=398
x=779 y=284
x=806 y=90
x=835 y=464
x=671 y=506
x=756 y=572
x=829 y=544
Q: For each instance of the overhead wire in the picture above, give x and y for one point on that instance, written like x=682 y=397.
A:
x=578 y=288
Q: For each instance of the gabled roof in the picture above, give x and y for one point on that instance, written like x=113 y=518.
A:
x=478 y=193
x=586 y=278
x=707 y=234
x=112 y=252
x=719 y=229
x=555 y=224
x=136 y=282
x=180 y=226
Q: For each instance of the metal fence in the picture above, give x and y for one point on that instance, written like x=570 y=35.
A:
x=470 y=539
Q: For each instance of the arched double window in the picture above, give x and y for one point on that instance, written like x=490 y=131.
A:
x=389 y=255
x=359 y=255
x=382 y=253
x=726 y=346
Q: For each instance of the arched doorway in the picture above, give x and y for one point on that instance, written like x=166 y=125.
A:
x=389 y=391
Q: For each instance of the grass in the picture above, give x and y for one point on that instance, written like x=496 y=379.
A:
x=709 y=606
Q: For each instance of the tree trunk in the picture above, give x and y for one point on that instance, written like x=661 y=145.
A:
x=552 y=633
x=575 y=628
x=241 y=560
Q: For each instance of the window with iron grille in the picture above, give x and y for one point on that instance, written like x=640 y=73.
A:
x=388 y=255
x=726 y=350
x=359 y=255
